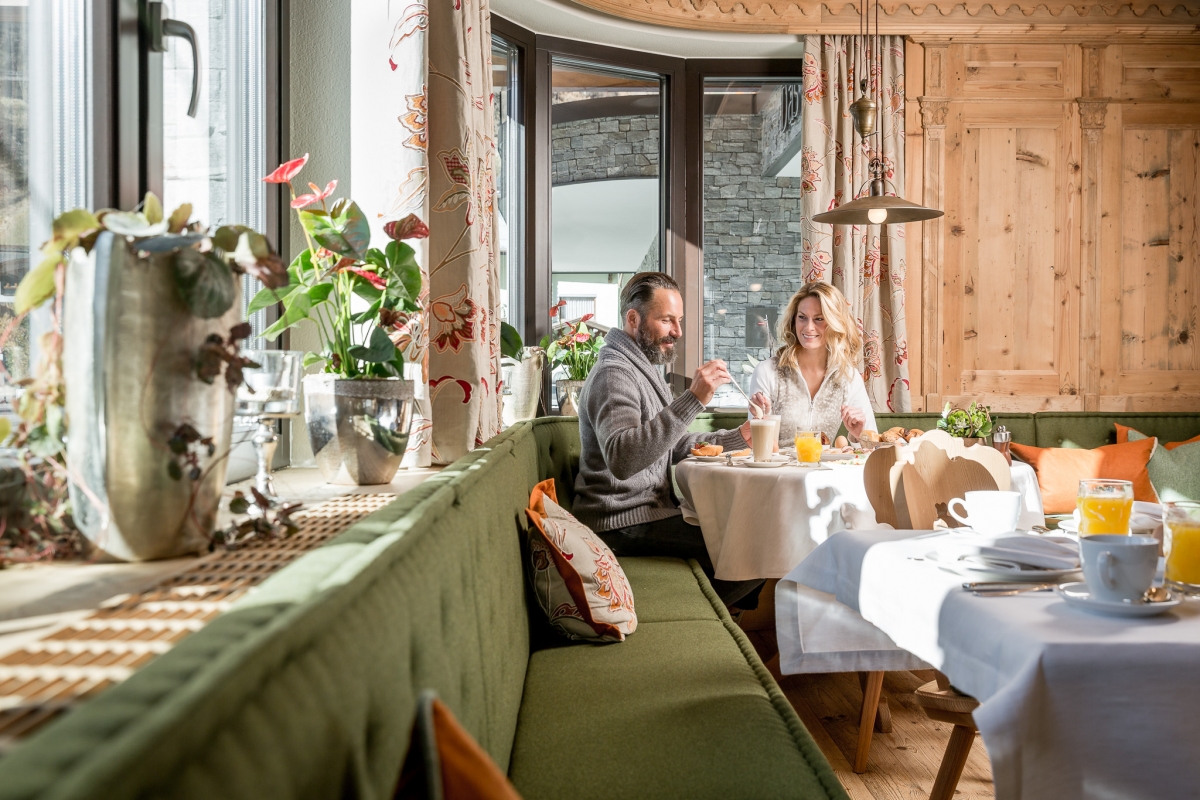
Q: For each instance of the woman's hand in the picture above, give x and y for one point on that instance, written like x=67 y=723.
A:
x=854 y=420
x=760 y=405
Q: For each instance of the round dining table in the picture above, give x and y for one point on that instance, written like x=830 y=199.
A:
x=762 y=522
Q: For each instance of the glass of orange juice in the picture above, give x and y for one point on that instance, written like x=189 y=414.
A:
x=1104 y=506
x=1181 y=543
x=808 y=447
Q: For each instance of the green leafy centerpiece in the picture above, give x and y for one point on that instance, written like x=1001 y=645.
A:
x=364 y=302
x=973 y=422
x=575 y=348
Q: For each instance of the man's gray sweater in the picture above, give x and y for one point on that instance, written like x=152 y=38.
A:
x=631 y=433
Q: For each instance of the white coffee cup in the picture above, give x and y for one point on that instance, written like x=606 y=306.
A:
x=761 y=438
x=988 y=512
x=1118 y=566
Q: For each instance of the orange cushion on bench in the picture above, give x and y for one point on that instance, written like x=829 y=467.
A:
x=1060 y=469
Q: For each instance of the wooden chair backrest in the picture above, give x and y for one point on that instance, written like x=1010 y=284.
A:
x=909 y=485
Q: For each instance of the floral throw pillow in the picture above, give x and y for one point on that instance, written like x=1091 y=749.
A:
x=576 y=578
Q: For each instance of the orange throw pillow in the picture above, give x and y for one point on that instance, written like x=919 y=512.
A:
x=576 y=578
x=445 y=763
x=1060 y=469
x=1123 y=437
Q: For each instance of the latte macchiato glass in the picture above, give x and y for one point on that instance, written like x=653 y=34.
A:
x=762 y=432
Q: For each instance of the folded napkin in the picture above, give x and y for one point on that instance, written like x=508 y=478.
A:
x=1022 y=549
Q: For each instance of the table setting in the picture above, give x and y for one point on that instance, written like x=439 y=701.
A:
x=1079 y=646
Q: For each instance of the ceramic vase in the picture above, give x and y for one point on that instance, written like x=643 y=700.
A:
x=358 y=428
x=522 y=387
x=129 y=364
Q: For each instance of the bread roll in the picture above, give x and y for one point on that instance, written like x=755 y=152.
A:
x=705 y=449
x=868 y=436
x=740 y=453
x=914 y=433
x=890 y=436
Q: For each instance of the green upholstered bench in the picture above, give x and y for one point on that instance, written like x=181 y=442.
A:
x=1045 y=429
x=307 y=687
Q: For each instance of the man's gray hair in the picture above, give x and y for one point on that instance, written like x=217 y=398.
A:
x=640 y=289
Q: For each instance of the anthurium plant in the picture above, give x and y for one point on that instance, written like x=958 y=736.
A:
x=358 y=296
x=575 y=346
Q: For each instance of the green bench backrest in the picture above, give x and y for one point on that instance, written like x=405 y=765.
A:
x=307 y=687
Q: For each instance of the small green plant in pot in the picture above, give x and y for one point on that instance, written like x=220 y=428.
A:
x=362 y=301
x=973 y=422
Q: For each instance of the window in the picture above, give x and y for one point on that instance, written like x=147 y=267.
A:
x=45 y=147
x=216 y=159
x=510 y=144
x=752 y=236
x=607 y=195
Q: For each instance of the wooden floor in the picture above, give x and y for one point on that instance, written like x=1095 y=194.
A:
x=903 y=763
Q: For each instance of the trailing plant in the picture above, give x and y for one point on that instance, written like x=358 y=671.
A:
x=358 y=296
x=973 y=421
x=575 y=346
x=263 y=519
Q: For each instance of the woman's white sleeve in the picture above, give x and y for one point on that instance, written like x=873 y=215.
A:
x=763 y=380
x=857 y=396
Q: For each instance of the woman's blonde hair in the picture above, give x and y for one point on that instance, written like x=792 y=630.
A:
x=843 y=339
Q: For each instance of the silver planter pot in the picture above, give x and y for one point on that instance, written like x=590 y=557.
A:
x=522 y=387
x=568 y=397
x=359 y=428
x=129 y=364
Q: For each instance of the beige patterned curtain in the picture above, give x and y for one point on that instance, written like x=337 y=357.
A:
x=464 y=295
x=866 y=262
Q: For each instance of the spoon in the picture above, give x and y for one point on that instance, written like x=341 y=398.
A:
x=1155 y=594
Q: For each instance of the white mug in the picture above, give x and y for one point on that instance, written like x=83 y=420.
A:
x=1118 y=566
x=988 y=512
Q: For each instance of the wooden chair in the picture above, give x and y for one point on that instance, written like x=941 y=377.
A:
x=909 y=486
x=942 y=702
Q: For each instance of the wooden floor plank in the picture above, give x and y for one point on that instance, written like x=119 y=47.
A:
x=903 y=763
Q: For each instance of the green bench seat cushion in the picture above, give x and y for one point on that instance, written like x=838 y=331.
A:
x=664 y=590
x=1090 y=429
x=682 y=708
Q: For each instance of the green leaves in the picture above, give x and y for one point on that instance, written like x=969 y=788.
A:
x=72 y=224
x=152 y=208
x=179 y=218
x=37 y=286
x=205 y=283
x=377 y=351
x=295 y=308
x=345 y=231
x=975 y=420
x=402 y=264
x=510 y=341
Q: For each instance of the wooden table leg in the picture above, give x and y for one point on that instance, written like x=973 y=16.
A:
x=883 y=720
x=872 y=688
x=961 y=739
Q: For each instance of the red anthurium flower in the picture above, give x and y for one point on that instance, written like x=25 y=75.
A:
x=582 y=337
x=288 y=170
x=411 y=227
x=305 y=200
x=554 y=308
x=586 y=317
x=370 y=277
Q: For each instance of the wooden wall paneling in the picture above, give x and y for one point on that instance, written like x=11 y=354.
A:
x=1154 y=71
x=1112 y=223
x=1092 y=114
x=1182 y=250
x=954 y=288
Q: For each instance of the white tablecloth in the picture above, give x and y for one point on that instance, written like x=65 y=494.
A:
x=1073 y=705
x=759 y=523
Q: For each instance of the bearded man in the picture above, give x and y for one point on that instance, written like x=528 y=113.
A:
x=632 y=430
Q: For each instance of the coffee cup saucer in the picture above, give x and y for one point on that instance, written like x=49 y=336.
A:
x=1077 y=595
x=750 y=462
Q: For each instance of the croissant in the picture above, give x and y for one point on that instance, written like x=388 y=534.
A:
x=705 y=449
x=739 y=453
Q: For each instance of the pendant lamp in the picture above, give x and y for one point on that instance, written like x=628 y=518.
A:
x=876 y=207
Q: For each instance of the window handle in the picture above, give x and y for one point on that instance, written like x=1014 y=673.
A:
x=158 y=29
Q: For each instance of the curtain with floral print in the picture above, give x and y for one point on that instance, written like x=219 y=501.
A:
x=866 y=262
x=464 y=294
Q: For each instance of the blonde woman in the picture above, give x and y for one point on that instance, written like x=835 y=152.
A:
x=813 y=381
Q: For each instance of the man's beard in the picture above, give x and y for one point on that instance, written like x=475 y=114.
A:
x=652 y=348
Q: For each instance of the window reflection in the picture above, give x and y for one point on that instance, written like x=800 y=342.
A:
x=510 y=147
x=752 y=234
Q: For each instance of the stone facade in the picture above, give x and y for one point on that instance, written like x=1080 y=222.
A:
x=752 y=235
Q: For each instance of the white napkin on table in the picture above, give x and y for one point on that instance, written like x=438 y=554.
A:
x=1023 y=549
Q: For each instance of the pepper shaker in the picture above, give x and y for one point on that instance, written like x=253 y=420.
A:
x=1001 y=439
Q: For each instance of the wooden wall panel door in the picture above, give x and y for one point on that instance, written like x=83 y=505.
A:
x=1155 y=274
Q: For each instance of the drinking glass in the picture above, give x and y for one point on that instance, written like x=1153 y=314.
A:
x=808 y=447
x=271 y=391
x=1181 y=543
x=1104 y=506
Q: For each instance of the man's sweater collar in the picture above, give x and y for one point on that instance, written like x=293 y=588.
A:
x=624 y=344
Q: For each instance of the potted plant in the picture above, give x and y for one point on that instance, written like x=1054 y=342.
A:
x=522 y=369
x=972 y=424
x=146 y=317
x=359 y=405
x=575 y=348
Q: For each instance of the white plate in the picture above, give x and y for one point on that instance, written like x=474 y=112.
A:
x=761 y=464
x=706 y=458
x=982 y=570
x=1137 y=524
x=837 y=456
x=1077 y=595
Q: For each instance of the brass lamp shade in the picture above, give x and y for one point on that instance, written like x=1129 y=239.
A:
x=877 y=211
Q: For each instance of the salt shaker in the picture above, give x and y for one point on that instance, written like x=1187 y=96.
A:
x=1001 y=439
